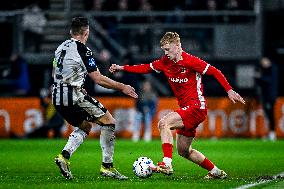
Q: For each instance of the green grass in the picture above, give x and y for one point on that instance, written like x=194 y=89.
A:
x=30 y=164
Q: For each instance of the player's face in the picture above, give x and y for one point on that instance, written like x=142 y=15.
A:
x=171 y=50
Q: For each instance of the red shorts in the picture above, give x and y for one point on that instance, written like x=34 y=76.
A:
x=191 y=117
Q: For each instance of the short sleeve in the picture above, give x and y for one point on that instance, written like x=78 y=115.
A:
x=197 y=64
x=157 y=65
x=87 y=57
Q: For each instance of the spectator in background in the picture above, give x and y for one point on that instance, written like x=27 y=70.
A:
x=129 y=78
x=104 y=62
x=237 y=5
x=53 y=121
x=17 y=75
x=204 y=35
x=144 y=35
x=267 y=78
x=145 y=110
x=34 y=22
x=20 y=4
x=122 y=5
x=232 y=5
x=93 y=5
x=104 y=57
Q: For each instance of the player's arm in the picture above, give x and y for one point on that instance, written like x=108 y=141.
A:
x=90 y=64
x=142 y=68
x=111 y=84
x=211 y=70
x=203 y=67
x=233 y=96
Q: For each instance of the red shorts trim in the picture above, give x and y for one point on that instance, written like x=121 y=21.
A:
x=191 y=118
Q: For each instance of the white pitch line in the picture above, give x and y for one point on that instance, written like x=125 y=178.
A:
x=261 y=182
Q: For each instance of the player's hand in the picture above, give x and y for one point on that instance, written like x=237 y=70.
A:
x=234 y=96
x=114 y=68
x=128 y=90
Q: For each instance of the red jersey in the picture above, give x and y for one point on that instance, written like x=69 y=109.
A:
x=184 y=77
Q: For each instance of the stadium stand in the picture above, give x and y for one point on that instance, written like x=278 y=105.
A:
x=207 y=27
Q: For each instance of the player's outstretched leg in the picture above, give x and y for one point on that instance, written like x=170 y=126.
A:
x=217 y=174
x=64 y=166
x=185 y=150
x=213 y=171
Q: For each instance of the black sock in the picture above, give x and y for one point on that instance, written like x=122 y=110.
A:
x=107 y=165
x=65 y=154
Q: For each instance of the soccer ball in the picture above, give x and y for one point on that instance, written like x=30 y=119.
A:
x=141 y=167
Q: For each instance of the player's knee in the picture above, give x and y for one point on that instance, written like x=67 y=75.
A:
x=183 y=152
x=167 y=123
x=112 y=121
x=170 y=124
x=161 y=124
x=106 y=119
x=86 y=127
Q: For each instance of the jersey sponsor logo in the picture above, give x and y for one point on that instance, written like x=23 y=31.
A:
x=178 y=80
x=92 y=62
x=89 y=53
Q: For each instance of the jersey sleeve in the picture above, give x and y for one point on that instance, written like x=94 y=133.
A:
x=219 y=76
x=87 y=57
x=141 y=68
x=156 y=65
x=204 y=68
x=144 y=68
x=198 y=64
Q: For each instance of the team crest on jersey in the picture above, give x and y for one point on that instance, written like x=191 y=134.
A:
x=183 y=70
x=92 y=62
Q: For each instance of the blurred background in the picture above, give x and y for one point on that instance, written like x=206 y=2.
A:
x=239 y=37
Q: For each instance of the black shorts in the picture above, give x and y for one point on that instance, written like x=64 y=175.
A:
x=88 y=109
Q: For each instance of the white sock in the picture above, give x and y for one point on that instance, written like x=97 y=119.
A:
x=75 y=139
x=167 y=161
x=215 y=170
x=107 y=139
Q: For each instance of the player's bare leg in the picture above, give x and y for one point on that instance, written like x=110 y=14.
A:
x=185 y=150
x=168 y=123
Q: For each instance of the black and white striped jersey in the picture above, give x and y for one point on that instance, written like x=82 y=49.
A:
x=73 y=61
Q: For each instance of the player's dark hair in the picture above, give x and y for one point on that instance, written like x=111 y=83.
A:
x=79 y=25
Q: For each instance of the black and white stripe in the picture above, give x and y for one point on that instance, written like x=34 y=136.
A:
x=62 y=94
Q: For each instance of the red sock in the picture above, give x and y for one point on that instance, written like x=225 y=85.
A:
x=207 y=164
x=167 y=150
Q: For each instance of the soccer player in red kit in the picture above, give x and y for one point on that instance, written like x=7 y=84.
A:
x=184 y=73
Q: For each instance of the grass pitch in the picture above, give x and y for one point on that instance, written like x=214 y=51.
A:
x=30 y=164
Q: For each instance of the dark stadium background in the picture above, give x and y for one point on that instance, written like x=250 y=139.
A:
x=268 y=30
x=233 y=36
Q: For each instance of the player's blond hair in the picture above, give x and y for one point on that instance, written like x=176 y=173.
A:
x=170 y=37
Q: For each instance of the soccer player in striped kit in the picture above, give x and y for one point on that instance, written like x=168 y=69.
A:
x=184 y=73
x=72 y=63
